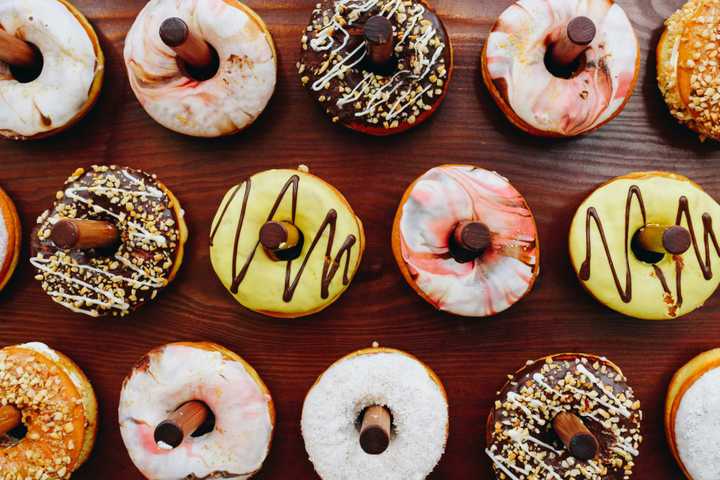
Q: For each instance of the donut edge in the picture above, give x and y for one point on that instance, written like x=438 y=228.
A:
x=14 y=228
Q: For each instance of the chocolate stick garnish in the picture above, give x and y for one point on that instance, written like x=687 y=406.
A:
x=576 y=437
x=10 y=418
x=278 y=238
x=194 y=51
x=72 y=233
x=576 y=37
x=469 y=240
x=182 y=422
x=672 y=239
x=375 y=430
x=17 y=52
x=378 y=32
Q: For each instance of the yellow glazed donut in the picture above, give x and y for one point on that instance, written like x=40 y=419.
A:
x=604 y=239
x=57 y=406
x=10 y=237
x=303 y=279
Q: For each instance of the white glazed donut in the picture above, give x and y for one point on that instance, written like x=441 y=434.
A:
x=172 y=375
x=377 y=376
x=541 y=103
x=226 y=103
x=73 y=67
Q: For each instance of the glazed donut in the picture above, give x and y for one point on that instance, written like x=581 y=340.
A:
x=688 y=77
x=560 y=69
x=196 y=90
x=239 y=413
x=378 y=66
x=660 y=225
x=10 y=237
x=408 y=390
x=691 y=416
x=466 y=241
x=565 y=416
x=113 y=239
x=43 y=391
x=51 y=67
x=273 y=218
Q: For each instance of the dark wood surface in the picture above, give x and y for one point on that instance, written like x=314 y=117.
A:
x=472 y=356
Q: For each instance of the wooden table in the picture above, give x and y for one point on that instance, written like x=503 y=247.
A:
x=472 y=356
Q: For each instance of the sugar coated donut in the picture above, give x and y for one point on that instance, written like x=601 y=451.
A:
x=224 y=90
x=407 y=389
x=286 y=243
x=644 y=245
x=10 y=237
x=565 y=416
x=43 y=391
x=377 y=66
x=235 y=438
x=113 y=239
x=688 y=77
x=63 y=75
x=692 y=415
x=544 y=97
x=466 y=240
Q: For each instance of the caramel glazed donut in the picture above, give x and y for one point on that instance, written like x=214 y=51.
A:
x=173 y=375
x=545 y=104
x=308 y=266
x=46 y=393
x=688 y=72
x=72 y=69
x=566 y=416
x=466 y=241
x=691 y=416
x=376 y=377
x=224 y=104
x=607 y=252
x=111 y=281
x=10 y=238
x=338 y=67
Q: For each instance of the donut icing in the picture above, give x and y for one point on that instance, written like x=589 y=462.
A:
x=10 y=237
x=58 y=408
x=433 y=206
x=601 y=236
x=514 y=60
x=521 y=440
x=333 y=64
x=152 y=232
x=375 y=377
x=222 y=105
x=72 y=63
x=175 y=374
x=333 y=243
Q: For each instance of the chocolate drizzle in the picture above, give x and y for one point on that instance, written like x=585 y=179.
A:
x=330 y=266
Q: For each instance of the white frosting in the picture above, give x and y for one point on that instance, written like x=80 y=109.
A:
x=697 y=427
x=70 y=63
x=4 y=240
x=224 y=104
x=394 y=380
x=175 y=375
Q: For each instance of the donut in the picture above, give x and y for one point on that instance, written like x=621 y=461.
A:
x=112 y=240
x=665 y=277
x=286 y=243
x=378 y=67
x=691 y=416
x=466 y=241
x=688 y=73
x=234 y=439
x=57 y=67
x=561 y=68
x=48 y=411
x=10 y=237
x=565 y=416
x=406 y=388
x=220 y=93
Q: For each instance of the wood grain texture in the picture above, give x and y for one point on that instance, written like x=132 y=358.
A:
x=471 y=356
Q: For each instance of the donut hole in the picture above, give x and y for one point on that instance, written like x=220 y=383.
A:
x=361 y=416
x=14 y=436
x=386 y=70
x=28 y=74
x=207 y=426
x=200 y=73
x=564 y=71
x=642 y=254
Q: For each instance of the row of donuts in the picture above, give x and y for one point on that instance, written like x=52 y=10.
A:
x=198 y=410
x=208 y=68
x=287 y=244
